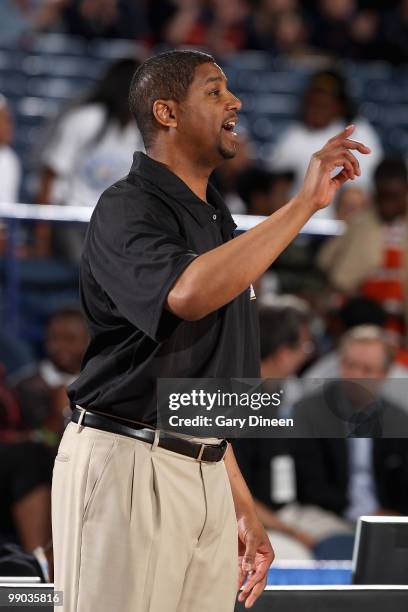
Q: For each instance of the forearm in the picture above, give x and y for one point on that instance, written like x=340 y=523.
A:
x=270 y=520
x=243 y=500
x=220 y=275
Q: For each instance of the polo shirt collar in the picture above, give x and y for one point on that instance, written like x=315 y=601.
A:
x=176 y=189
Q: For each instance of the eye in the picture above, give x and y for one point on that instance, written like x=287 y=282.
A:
x=215 y=92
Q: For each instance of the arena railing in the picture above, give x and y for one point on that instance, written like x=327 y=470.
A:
x=14 y=214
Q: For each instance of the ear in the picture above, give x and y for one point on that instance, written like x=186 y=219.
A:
x=164 y=112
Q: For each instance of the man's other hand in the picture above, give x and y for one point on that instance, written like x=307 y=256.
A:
x=255 y=555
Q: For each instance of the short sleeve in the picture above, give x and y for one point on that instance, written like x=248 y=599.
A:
x=136 y=259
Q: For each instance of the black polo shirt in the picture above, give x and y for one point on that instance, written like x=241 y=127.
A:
x=145 y=230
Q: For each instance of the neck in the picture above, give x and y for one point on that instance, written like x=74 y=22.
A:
x=193 y=173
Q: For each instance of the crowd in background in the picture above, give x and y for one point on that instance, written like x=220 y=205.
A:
x=328 y=308
x=352 y=28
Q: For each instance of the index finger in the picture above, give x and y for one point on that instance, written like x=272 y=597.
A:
x=343 y=134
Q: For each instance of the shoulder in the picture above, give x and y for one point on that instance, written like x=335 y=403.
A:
x=130 y=201
x=362 y=221
x=9 y=157
x=395 y=416
x=294 y=131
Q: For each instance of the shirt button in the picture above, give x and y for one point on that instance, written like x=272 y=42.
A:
x=214 y=217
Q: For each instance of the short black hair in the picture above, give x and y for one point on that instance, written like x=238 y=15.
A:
x=258 y=180
x=164 y=76
x=362 y=311
x=280 y=327
x=334 y=81
x=391 y=168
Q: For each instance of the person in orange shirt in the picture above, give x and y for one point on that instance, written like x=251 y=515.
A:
x=370 y=258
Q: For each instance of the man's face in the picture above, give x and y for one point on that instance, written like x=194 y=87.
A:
x=364 y=360
x=208 y=115
x=391 y=198
x=320 y=108
x=66 y=342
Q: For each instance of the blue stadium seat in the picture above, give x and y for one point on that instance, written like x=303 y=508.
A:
x=62 y=66
x=59 y=44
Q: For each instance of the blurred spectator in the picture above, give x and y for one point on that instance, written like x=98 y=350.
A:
x=378 y=270
x=10 y=169
x=358 y=311
x=10 y=413
x=216 y=25
x=395 y=40
x=326 y=110
x=15 y=355
x=262 y=191
x=366 y=36
x=277 y=26
x=350 y=202
x=42 y=392
x=353 y=474
x=25 y=480
x=106 y=19
x=290 y=35
x=331 y=25
x=267 y=464
x=91 y=148
x=25 y=494
x=21 y=17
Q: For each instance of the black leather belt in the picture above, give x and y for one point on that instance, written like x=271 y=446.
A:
x=201 y=452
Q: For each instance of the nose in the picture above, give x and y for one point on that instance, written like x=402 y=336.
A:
x=234 y=103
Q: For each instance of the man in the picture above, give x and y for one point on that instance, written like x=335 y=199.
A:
x=357 y=463
x=152 y=525
x=379 y=271
x=42 y=388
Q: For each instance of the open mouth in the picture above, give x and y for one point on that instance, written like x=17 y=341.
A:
x=229 y=126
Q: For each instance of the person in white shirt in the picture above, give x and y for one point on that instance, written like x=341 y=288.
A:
x=326 y=109
x=88 y=150
x=10 y=169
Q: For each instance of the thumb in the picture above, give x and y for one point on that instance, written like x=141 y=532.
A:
x=248 y=561
x=349 y=129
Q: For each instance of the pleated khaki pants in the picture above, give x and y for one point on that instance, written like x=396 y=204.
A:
x=140 y=530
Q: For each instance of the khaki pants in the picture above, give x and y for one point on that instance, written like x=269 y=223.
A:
x=140 y=530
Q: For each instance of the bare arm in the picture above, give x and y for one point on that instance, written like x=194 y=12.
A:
x=270 y=520
x=218 y=276
x=255 y=553
x=43 y=230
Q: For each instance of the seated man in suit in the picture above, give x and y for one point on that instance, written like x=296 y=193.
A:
x=353 y=458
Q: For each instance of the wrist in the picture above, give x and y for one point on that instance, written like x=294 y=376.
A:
x=302 y=202
x=247 y=514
